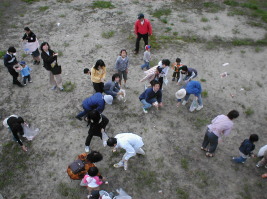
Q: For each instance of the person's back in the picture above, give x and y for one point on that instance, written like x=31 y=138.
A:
x=220 y=124
x=108 y=85
x=247 y=147
x=96 y=101
x=193 y=87
x=129 y=138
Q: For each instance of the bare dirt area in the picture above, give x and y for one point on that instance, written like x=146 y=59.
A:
x=204 y=34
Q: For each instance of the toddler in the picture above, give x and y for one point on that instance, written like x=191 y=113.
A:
x=176 y=69
x=91 y=180
x=147 y=57
x=25 y=72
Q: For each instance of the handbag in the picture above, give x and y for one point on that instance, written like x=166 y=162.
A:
x=56 y=70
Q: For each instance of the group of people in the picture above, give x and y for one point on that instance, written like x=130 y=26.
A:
x=83 y=168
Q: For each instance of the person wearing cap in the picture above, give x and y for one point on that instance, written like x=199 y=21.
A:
x=186 y=74
x=31 y=40
x=11 y=63
x=192 y=87
x=147 y=57
x=96 y=101
x=151 y=97
x=142 y=29
x=130 y=142
x=25 y=73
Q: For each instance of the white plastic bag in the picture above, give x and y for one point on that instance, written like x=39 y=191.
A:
x=123 y=96
x=122 y=194
x=165 y=80
x=30 y=47
x=262 y=150
x=29 y=132
x=104 y=139
x=193 y=105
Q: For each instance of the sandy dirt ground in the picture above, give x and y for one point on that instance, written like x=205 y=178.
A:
x=174 y=166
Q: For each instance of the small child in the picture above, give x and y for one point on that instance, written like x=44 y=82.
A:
x=176 y=72
x=147 y=57
x=122 y=64
x=25 y=72
x=246 y=148
x=91 y=180
x=87 y=71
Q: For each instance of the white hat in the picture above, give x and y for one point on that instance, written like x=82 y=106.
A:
x=180 y=94
x=108 y=99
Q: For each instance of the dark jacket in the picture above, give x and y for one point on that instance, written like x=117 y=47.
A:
x=48 y=59
x=10 y=61
x=13 y=121
x=150 y=96
x=95 y=128
x=96 y=101
x=30 y=38
x=247 y=147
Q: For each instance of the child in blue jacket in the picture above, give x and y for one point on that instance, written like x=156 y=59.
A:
x=25 y=72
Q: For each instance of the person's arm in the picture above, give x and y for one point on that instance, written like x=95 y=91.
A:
x=104 y=73
x=136 y=27
x=117 y=64
x=101 y=106
x=180 y=78
x=104 y=122
x=32 y=37
x=130 y=152
x=193 y=74
x=49 y=58
x=159 y=97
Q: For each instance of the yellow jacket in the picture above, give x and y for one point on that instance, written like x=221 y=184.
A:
x=97 y=75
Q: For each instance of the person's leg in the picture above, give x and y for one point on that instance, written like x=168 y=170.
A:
x=146 y=104
x=110 y=93
x=30 y=78
x=186 y=97
x=173 y=76
x=199 y=100
x=97 y=87
x=144 y=65
x=24 y=80
x=52 y=80
x=263 y=161
x=89 y=138
x=140 y=151
x=124 y=73
x=206 y=140
x=148 y=65
x=101 y=87
x=137 y=42
x=239 y=159
x=14 y=75
x=213 y=142
x=145 y=37
x=120 y=74
x=58 y=81
x=161 y=82
x=83 y=113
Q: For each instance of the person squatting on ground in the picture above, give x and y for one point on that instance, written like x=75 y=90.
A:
x=11 y=64
x=30 y=37
x=50 y=60
x=263 y=154
x=192 y=87
x=164 y=66
x=14 y=124
x=142 y=29
x=122 y=66
x=130 y=142
x=151 y=97
x=220 y=126
x=88 y=160
x=96 y=101
x=246 y=148
x=186 y=74
x=98 y=123
x=98 y=75
x=25 y=73
x=112 y=87
x=147 y=57
x=176 y=69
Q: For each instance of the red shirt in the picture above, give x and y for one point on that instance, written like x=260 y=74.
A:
x=143 y=29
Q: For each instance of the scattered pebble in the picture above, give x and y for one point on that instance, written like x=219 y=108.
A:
x=106 y=182
x=225 y=64
x=58 y=24
x=225 y=74
x=232 y=95
x=154 y=126
x=241 y=89
x=160 y=191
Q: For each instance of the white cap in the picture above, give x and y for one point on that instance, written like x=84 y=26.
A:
x=108 y=99
x=180 y=94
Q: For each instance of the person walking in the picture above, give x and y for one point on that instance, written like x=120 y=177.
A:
x=142 y=29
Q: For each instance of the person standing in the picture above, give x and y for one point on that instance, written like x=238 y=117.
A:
x=98 y=75
x=50 y=60
x=220 y=126
x=142 y=29
x=146 y=58
x=11 y=63
x=121 y=65
x=130 y=142
x=25 y=73
x=33 y=45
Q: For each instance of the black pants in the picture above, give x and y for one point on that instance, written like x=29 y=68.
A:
x=25 y=79
x=161 y=82
x=15 y=75
x=139 y=36
x=176 y=74
x=99 y=87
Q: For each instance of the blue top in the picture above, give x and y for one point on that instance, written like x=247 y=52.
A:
x=96 y=101
x=150 y=96
x=192 y=87
x=114 y=87
x=25 y=71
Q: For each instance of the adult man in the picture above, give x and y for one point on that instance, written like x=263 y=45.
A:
x=96 y=101
x=151 y=96
x=142 y=28
x=11 y=63
x=130 y=142
x=220 y=126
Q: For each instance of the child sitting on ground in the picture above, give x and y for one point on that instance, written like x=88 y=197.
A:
x=146 y=57
x=91 y=180
x=176 y=72
x=25 y=73
x=246 y=148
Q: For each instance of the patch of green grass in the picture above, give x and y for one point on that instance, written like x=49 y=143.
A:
x=184 y=20
x=231 y=3
x=69 y=86
x=158 y=13
x=102 y=4
x=204 y=93
x=255 y=24
x=168 y=29
x=259 y=84
x=2 y=54
x=216 y=18
x=249 y=111
x=202 y=179
x=21 y=15
x=246 y=192
x=108 y=34
x=237 y=11
x=67 y=191
x=243 y=51
x=182 y=193
x=203 y=80
x=87 y=35
x=235 y=30
x=258 y=49
x=175 y=33
x=184 y=163
x=23 y=196
x=164 y=20
x=204 y=19
x=64 y=1
x=60 y=53
x=66 y=44
x=146 y=178
x=43 y=8
x=206 y=28
x=241 y=42
x=199 y=122
x=249 y=5
x=62 y=15
x=24 y=55
x=154 y=43
x=30 y=1
x=212 y=7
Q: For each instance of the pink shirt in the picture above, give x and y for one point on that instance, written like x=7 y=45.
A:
x=221 y=125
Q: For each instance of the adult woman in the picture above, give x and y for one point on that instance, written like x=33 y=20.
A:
x=89 y=161
x=98 y=75
x=50 y=59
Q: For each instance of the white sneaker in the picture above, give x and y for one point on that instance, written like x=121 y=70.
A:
x=87 y=149
x=117 y=165
x=184 y=103
x=144 y=110
x=125 y=165
x=199 y=107
x=141 y=151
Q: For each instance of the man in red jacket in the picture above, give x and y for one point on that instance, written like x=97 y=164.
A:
x=142 y=28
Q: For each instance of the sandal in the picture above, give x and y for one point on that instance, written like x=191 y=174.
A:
x=204 y=149
x=210 y=155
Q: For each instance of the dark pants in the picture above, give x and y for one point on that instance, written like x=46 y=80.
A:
x=99 y=87
x=212 y=139
x=25 y=78
x=139 y=36
x=176 y=74
x=161 y=82
x=15 y=75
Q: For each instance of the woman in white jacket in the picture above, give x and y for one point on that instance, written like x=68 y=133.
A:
x=130 y=142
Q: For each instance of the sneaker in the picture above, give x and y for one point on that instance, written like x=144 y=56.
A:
x=25 y=84
x=79 y=118
x=265 y=167
x=118 y=165
x=30 y=81
x=125 y=165
x=144 y=110
x=199 y=108
x=87 y=149
x=173 y=79
x=125 y=85
x=54 y=87
x=61 y=89
x=257 y=165
x=184 y=103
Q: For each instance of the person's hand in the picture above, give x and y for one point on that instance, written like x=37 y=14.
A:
x=253 y=156
x=160 y=104
x=178 y=104
x=55 y=54
x=114 y=150
x=126 y=71
x=178 y=83
x=102 y=130
x=102 y=80
x=24 y=148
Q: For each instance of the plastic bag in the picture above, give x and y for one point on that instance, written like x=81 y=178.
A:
x=30 y=132
x=122 y=194
x=193 y=105
x=104 y=139
x=262 y=150
x=123 y=96
x=30 y=47
x=165 y=80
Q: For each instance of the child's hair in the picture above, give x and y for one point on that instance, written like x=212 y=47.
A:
x=11 y=49
x=111 y=142
x=178 y=60
x=166 y=62
x=153 y=83
x=99 y=62
x=253 y=137
x=94 y=156
x=122 y=51
x=233 y=114
x=93 y=116
x=86 y=70
x=115 y=76
x=92 y=171
x=184 y=68
x=27 y=29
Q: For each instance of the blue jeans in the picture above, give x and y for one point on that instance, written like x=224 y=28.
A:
x=145 y=65
x=146 y=104
x=239 y=159
x=198 y=96
x=212 y=139
x=108 y=92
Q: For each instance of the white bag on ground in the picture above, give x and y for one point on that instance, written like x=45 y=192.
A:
x=122 y=194
x=262 y=150
x=29 y=132
x=123 y=96
x=193 y=105
x=104 y=139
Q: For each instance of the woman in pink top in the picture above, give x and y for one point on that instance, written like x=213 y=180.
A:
x=220 y=126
